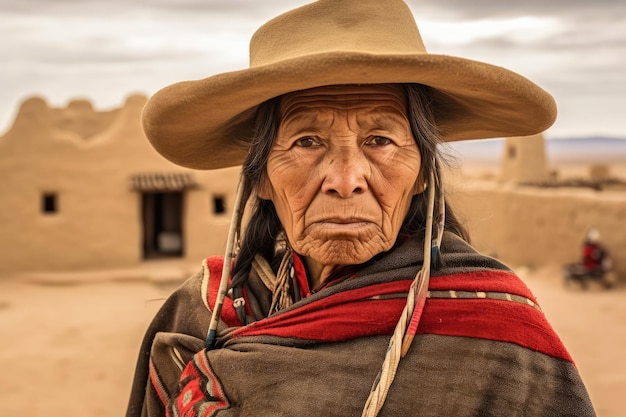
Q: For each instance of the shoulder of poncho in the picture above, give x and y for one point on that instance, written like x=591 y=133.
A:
x=211 y=275
x=483 y=281
x=209 y=289
x=200 y=284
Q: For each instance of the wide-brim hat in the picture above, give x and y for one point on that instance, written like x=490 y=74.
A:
x=207 y=123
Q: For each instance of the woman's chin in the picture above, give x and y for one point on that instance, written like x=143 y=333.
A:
x=340 y=252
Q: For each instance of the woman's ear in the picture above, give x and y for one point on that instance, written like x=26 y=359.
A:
x=420 y=186
x=264 y=192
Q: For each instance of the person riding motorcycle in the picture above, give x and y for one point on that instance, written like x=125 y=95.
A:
x=594 y=254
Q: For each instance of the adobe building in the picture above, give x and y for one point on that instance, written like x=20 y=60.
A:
x=524 y=160
x=83 y=189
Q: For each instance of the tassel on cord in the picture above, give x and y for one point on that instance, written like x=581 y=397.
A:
x=402 y=338
x=228 y=256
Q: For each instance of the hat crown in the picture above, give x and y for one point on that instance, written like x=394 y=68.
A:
x=209 y=123
x=327 y=26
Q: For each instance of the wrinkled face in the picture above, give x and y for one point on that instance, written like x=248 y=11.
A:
x=342 y=171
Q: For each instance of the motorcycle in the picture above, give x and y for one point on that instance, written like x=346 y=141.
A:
x=577 y=273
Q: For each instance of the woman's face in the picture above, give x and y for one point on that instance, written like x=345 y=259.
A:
x=342 y=172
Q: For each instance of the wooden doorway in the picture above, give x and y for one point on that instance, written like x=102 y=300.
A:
x=162 y=214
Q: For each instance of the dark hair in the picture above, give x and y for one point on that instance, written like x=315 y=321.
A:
x=264 y=233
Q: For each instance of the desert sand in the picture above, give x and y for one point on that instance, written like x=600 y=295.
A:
x=71 y=340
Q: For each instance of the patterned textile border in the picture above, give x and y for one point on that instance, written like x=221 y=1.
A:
x=468 y=295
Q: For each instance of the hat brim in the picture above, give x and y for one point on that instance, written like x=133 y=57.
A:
x=207 y=123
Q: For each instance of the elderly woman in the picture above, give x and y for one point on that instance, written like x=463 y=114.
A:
x=350 y=288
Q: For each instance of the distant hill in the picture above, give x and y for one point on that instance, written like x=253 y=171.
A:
x=559 y=150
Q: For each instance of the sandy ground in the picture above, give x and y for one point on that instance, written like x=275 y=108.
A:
x=69 y=345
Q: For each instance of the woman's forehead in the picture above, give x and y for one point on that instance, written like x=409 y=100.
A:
x=366 y=99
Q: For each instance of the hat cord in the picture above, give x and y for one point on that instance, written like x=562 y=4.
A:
x=406 y=327
x=228 y=256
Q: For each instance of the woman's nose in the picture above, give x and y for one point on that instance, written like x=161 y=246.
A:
x=345 y=173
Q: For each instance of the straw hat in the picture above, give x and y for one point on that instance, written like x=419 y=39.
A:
x=206 y=124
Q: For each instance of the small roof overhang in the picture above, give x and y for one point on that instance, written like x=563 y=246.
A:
x=161 y=182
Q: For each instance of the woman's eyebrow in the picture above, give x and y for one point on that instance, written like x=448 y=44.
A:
x=389 y=119
x=300 y=119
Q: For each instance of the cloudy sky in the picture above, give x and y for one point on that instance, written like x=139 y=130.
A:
x=105 y=50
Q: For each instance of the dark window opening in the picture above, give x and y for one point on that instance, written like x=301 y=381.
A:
x=162 y=225
x=219 y=205
x=512 y=152
x=49 y=203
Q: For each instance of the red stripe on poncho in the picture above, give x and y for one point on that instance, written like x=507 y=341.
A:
x=360 y=312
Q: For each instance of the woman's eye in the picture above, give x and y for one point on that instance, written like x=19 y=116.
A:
x=378 y=141
x=306 y=142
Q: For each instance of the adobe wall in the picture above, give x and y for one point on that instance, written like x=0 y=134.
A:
x=89 y=166
x=525 y=226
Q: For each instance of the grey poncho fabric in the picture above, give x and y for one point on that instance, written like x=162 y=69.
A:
x=483 y=347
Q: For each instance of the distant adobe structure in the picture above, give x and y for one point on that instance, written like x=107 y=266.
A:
x=524 y=160
x=83 y=189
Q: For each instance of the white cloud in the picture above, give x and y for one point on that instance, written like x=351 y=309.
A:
x=520 y=29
